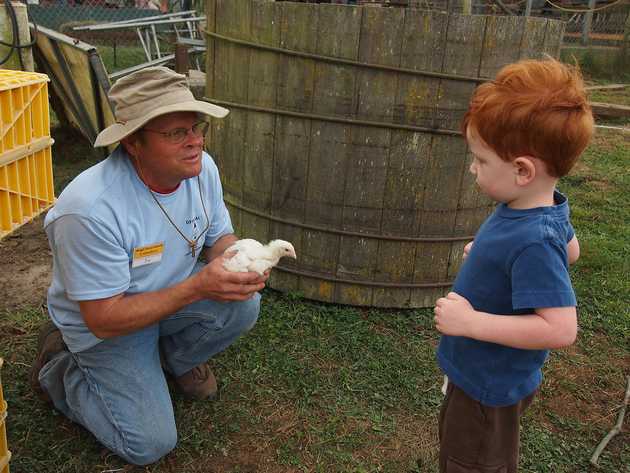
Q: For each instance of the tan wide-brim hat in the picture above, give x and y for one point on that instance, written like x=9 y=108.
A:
x=149 y=93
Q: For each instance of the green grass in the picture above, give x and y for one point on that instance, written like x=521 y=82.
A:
x=603 y=63
x=326 y=388
x=116 y=59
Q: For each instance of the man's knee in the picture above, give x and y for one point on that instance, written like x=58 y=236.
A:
x=248 y=312
x=149 y=447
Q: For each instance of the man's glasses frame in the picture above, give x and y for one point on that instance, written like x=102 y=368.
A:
x=178 y=135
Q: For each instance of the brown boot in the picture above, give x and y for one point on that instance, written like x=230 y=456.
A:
x=198 y=383
x=49 y=343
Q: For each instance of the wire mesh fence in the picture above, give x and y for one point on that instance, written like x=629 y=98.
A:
x=606 y=19
x=126 y=32
x=123 y=43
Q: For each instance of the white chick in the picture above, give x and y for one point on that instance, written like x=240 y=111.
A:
x=252 y=255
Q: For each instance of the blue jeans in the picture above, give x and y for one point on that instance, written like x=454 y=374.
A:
x=117 y=389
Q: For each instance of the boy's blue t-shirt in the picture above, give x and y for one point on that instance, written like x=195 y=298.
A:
x=518 y=263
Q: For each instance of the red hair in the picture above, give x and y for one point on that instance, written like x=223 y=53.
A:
x=534 y=108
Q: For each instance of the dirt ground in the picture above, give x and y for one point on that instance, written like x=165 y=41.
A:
x=25 y=266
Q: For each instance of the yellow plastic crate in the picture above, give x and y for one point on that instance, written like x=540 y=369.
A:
x=5 y=454
x=26 y=179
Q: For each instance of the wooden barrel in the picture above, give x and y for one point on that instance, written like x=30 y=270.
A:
x=343 y=138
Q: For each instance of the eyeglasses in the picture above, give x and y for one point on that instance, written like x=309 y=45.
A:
x=178 y=135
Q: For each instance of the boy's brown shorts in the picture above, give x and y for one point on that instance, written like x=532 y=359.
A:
x=478 y=439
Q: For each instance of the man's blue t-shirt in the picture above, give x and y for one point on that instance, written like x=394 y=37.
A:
x=105 y=215
x=518 y=263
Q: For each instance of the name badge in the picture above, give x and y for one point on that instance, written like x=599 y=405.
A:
x=147 y=254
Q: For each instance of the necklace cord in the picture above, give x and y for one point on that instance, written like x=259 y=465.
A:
x=191 y=243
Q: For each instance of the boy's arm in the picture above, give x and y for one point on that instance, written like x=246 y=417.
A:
x=548 y=328
x=573 y=250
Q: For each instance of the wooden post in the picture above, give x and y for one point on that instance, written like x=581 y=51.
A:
x=528 y=7
x=23 y=34
x=588 y=22
x=181 y=58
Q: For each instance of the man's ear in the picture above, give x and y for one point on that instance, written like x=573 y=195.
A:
x=129 y=143
x=525 y=170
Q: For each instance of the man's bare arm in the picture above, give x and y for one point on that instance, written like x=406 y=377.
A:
x=122 y=314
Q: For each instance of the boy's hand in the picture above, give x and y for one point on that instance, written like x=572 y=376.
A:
x=453 y=315
x=467 y=249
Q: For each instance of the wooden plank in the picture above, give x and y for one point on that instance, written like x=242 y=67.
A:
x=443 y=184
x=501 y=45
x=210 y=8
x=233 y=18
x=182 y=64
x=290 y=168
x=257 y=170
x=108 y=115
x=553 y=38
x=533 y=38
x=230 y=83
x=79 y=68
x=216 y=136
x=229 y=148
x=289 y=191
x=607 y=87
x=318 y=289
x=601 y=109
x=231 y=60
x=327 y=158
x=79 y=81
x=236 y=217
x=296 y=76
x=404 y=193
x=380 y=43
x=263 y=67
x=395 y=264
x=464 y=45
x=338 y=36
x=424 y=40
x=437 y=217
x=610 y=37
x=295 y=28
x=333 y=94
x=365 y=183
x=427 y=297
x=404 y=188
x=79 y=65
x=409 y=153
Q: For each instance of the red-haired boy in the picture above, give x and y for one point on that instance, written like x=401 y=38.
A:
x=512 y=300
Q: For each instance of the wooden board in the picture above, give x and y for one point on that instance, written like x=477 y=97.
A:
x=78 y=78
x=380 y=42
x=532 y=44
x=601 y=109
